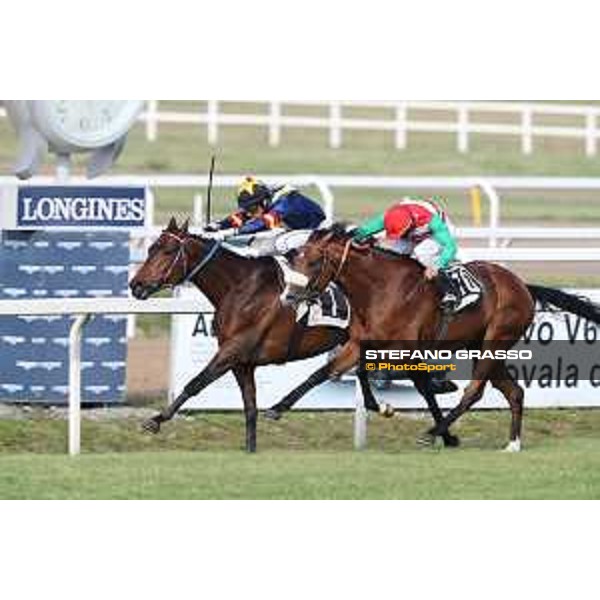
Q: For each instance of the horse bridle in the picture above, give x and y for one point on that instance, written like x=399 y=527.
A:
x=311 y=286
x=182 y=254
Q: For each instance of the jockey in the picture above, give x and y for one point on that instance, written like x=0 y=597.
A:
x=262 y=208
x=283 y=216
x=422 y=229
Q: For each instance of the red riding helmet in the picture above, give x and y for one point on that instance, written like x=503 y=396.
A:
x=398 y=221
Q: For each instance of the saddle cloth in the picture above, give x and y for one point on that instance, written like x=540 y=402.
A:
x=332 y=309
x=469 y=288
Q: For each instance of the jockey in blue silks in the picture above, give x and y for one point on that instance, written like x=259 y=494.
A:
x=261 y=208
x=280 y=218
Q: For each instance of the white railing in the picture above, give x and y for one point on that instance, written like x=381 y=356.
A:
x=492 y=187
x=84 y=309
x=404 y=117
x=470 y=118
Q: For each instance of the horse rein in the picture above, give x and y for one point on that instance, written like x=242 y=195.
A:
x=181 y=253
x=344 y=259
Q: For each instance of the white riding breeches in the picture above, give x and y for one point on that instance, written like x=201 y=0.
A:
x=426 y=252
x=278 y=241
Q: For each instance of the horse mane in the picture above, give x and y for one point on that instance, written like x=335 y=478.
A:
x=340 y=230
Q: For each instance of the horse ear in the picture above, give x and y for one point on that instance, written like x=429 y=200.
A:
x=172 y=226
x=185 y=226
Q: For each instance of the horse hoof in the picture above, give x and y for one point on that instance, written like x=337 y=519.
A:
x=441 y=387
x=451 y=441
x=513 y=447
x=272 y=414
x=151 y=426
x=427 y=440
x=386 y=411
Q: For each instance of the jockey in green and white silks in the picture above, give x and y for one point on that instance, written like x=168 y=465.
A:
x=419 y=228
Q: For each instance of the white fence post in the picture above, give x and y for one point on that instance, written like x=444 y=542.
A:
x=591 y=141
x=151 y=120
x=212 y=125
x=335 y=125
x=401 y=126
x=199 y=211
x=463 y=129
x=360 y=419
x=494 y=200
x=275 y=124
x=75 y=384
x=527 y=130
x=328 y=199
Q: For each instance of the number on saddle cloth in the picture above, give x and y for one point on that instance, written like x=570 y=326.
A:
x=467 y=285
x=330 y=309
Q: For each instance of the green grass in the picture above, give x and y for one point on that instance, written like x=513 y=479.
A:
x=308 y=455
x=570 y=470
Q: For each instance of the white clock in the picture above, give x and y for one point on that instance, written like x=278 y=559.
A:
x=71 y=125
x=68 y=126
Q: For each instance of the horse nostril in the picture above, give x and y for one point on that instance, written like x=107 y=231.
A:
x=137 y=289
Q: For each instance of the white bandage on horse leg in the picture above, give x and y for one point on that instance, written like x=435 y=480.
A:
x=514 y=446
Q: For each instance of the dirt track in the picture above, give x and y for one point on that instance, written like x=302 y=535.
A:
x=148 y=366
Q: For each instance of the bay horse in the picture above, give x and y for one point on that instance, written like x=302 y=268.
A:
x=393 y=301
x=252 y=326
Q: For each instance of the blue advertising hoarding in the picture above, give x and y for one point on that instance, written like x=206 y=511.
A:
x=65 y=242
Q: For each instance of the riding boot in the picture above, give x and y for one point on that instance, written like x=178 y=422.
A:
x=449 y=292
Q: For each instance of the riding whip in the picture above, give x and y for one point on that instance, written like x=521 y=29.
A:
x=209 y=190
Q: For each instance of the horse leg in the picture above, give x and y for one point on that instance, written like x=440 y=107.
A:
x=345 y=359
x=472 y=394
x=503 y=381
x=221 y=362
x=385 y=410
x=244 y=375
x=425 y=388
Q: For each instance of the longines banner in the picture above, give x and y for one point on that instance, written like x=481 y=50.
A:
x=558 y=365
x=69 y=207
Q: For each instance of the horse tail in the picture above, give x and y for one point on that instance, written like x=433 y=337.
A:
x=577 y=305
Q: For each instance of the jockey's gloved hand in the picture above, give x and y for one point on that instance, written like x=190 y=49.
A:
x=362 y=241
x=358 y=237
x=221 y=234
x=211 y=227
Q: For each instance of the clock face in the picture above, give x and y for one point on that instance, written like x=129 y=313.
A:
x=84 y=124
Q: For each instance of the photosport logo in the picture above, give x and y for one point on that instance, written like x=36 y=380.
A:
x=550 y=363
x=56 y=206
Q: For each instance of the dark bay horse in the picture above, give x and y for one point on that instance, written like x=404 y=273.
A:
x=391 y=300
x=253 y=327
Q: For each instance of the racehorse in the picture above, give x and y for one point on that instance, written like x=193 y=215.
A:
x=253 y=327
x=391 y=298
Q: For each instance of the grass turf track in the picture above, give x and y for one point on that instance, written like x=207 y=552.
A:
x=567 y=470
x=306 y=456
